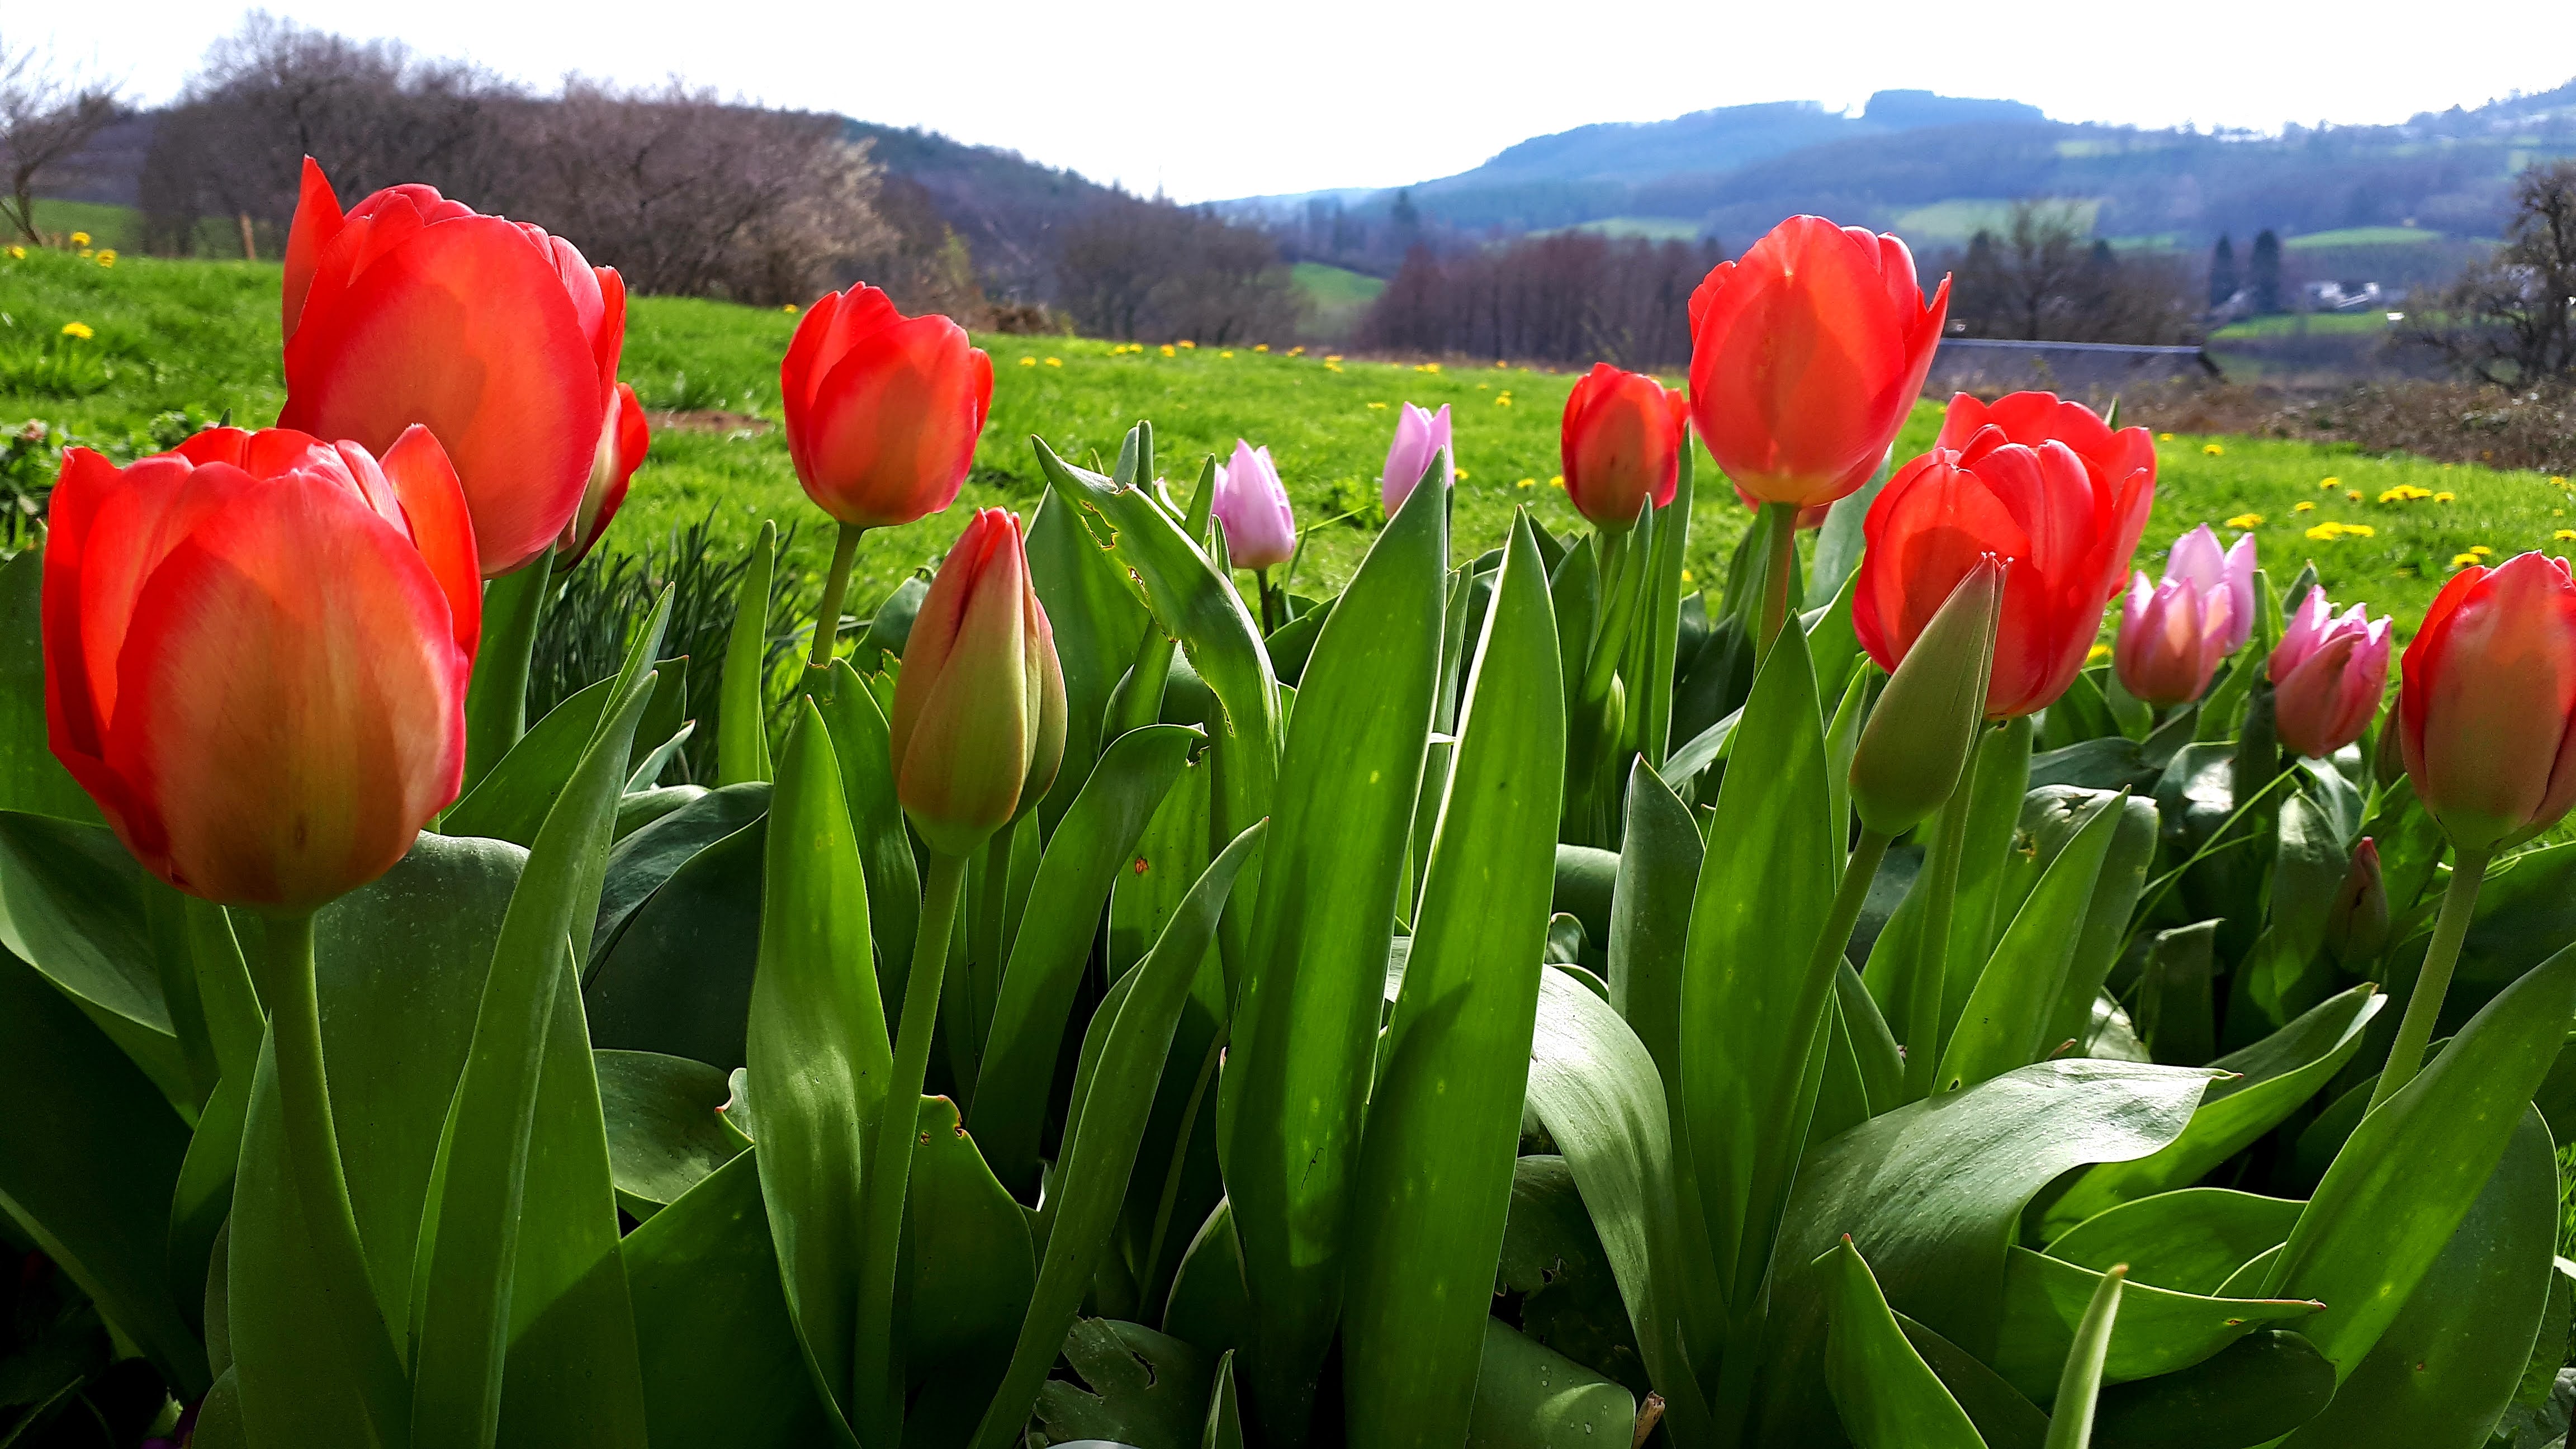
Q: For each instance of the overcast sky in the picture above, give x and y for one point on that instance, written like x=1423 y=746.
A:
x=1210 y=100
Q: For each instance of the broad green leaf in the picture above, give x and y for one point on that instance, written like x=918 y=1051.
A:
x=862 y=747
x=642 y=861
x=1097 y=622
x=2003 y=1418
x=2274 y=1077
x=2448 y=1361
x=664 y=1134
x=1754 y=985
x=2414 y=1168
x=1658 y=872
x=1996 y=784
x=1594 y=1086
x=1931 y=1195
x=1444 y=1119
x=2008 y=1009
x=1107 y=1124
x=31 y=779
x=1652 y=700
x=72 y=905
x=2070 y=1418
x=2190 y=1240
x=1305 y=1035
x=2160 y=1331
x=1093 y=843
x=1169 y=856
x=1887 y=1396
x=465 y=1307
x=1831 y=640
x=90 y=1152
x=970 y=1268
x=1528 y=1396
x=2116 y=889
x=1839 y=542
x=1209 y=1305
x=512 y=801
x=1575 y=588
x=742 y=709
x=2260 y=1387
x=2177 y=1011
x=2284 y=975
x=1137 y=1387
x=1225 y=1415
x=820 y=1060
x=678 y=979
x=721 y=1362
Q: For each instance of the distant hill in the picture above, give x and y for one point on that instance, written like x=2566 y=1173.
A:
x=1006 y=206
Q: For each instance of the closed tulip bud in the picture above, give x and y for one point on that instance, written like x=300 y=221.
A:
x=256 y=653
x=2487 y=699
x=1260 y=527
x=2172 y=636
x=979 y=709
x=2039 y=503
x=2327 y=675
x=883 y=410
x=2197 y=560
x=1622 y=442
x=2357 y=922
x=1924 y=727
x=622 y=445
x=1420 y=437
x=1806 y=356
x=411 y=308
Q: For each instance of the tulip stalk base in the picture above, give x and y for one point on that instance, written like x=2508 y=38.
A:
x=2433 y=982
x=1932 y=951
x=1782 y=519
x=878 y=1398
x=836 y=587
x=318 y=1180
x=496 y=701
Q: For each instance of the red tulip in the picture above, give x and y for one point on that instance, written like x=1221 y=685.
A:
x=1806 y=356
x=883 y=410
x=412 y=308
x=2122 y=466
x=979 y=709
x=2064 y=530
x=2487 y=701
x=1622 y=442
x=622 y=446
x=256 y=653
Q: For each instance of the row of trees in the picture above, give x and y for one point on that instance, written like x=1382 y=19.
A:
x=48 y=115
x=1563 y=297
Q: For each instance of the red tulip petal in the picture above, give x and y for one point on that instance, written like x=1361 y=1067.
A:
x=317 y=221
x=433 y=509
x=150 y=509
x=895 y=421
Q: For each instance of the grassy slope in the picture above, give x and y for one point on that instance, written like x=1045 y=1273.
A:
x=204 y=335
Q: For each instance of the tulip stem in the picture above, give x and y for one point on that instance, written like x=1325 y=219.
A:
x=2433 y=982
x=877 y=1398
x=1618 y=611
x=319 y=1182
x=1932 y=947
x=1858 y=872
x=836 y=584
x=1270 y=620
x=1782 y=519
x=496 y=700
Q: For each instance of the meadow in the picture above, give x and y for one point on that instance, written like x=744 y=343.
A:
x=175 y=345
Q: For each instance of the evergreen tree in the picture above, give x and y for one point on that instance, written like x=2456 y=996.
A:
x=2223 y=280
x=2265 y=272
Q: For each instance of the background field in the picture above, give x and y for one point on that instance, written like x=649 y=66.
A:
x=200 y=338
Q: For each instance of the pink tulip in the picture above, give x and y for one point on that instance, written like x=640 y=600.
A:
x=2327 y=675
x=1418 y=435
x=2172 y=636
x=2197 y=558
x=1260 y=528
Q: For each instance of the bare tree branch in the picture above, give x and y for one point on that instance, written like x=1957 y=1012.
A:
x=48 y=115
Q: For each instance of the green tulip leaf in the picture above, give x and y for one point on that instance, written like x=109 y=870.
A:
x=742 y=706
x=2190 y=1240
x=1658 y=872
x=644 y=860
x=678 y=979
x=1887 y=1396
x=511 y=801
x=2159 y=1330
x=971 y=1272
x=862 y=746
x=664 y=1134
x=1529 y=1396
x=1136 y=1388
x=2252 y=1392
x=31 y=779
x=1097 y=621
x=2079 y=1383
x=2008 y=1010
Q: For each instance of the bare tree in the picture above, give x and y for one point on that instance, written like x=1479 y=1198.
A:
x=2511 y=319
x=1139 y=268
x=2042 y=277
x=47 y=116
x=1564 y=297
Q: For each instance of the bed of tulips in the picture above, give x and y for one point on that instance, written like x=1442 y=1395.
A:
x=1517 y=1002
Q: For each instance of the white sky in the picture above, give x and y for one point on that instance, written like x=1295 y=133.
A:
x=1211 y=100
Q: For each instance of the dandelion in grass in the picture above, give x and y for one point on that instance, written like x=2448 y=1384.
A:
x=788 y=307
x=1170 y=351
x=2463 y=560
x=1298 y=351
x=107 y=258
x=1533 y=483
x=80 y=238
x=78 y=331
x=1332 y=357
x=1377 y=405
x=1055 y=362
x=2480 y=550
x=2353 y=495
x=1188 y=344
x=1028 y=362
x=2445 y=497
x=2097 y=654
x=1557 y=481
x=2564 y=535
x=17 y=254
x=1261 y=347
x=2246 y=520
x=1458 y=473
x=1228 y=353
x=2164 y=437
x=2303 y=506
x=1686 y=576
x=2212 y=450
x=2328 y=485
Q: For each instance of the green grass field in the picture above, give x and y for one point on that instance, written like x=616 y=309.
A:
x=201 y=338
x=1336 y=297
x=2362 y=236
x=2303 y=324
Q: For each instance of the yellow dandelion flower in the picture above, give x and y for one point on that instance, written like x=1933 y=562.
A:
x=2481 y=550
x=1332 y=367
x=1261 y=347
x=17 y=254
x=1332 y=357
x=2445 y=496
x=2463 y=560
x=107 y=258
x=2164 y=437
x=1458 y=472
x=789 y=308
x=1028 y=362
x=80 y=238
x=2327 y=485
x=78 y=331
x=1298 y=351
x=1686 y=576
x=1055 y=362
x=2564 y=535
x=1533 y=483
x=84 y=254
x=1430 y=367
x=2212 y=450
x=2353 y=493
x=2097 y=654
x=2329 y=531
x=2246 y=520
x=1229 y=352
x=1502 y=400
x=1185 y=342
x=2557 y=482
x=2303 y=506
x=2360 y=530
x=1377 y=405
x=1556 y=481
x=1170 y=351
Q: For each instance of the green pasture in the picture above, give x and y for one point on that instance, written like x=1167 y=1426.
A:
x=199 y=339
x=2302 y=324
x=2362 y=236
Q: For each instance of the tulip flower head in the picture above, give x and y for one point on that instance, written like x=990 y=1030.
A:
x=411 y=308
x=1622 y=442
x=2357 y=921
x=2197 y=560
x=1260 y=527
x=2065 y=528
x=979 y=709
x=1419 y=437
x=883 y=410
x=2327 y=675
x=256 y=655
x=2486 y=702
x=1806 y=355
x=622 y=446
x=2172 y=636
